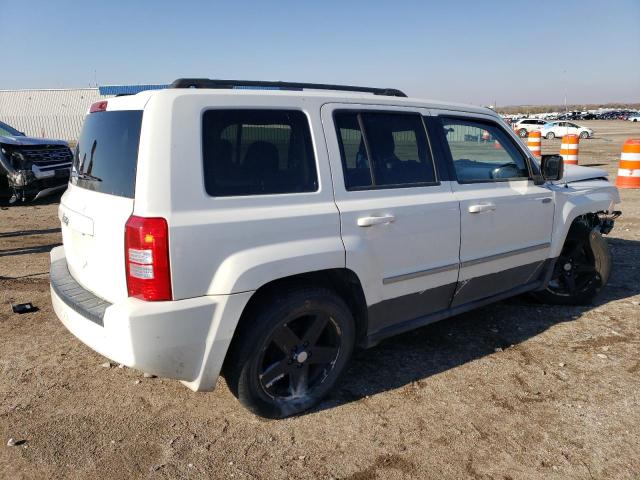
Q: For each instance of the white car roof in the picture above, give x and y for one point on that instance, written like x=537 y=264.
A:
x=139 y=100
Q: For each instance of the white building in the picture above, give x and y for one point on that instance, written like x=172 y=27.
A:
x=56 y=113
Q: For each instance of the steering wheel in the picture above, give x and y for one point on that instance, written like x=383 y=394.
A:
x=506 y=170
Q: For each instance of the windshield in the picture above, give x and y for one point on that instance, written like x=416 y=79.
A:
x=8 y=131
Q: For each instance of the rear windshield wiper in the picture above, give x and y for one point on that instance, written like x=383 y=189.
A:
x=87 y=176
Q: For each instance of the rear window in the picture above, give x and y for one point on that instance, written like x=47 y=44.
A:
x=106 y=157
x=257 y=152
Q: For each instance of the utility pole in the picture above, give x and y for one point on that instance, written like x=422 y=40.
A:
x=566 y=111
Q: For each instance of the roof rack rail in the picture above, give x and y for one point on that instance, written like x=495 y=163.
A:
x=230 y=84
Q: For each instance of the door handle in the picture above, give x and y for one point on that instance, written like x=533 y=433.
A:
x=369 y=221
x=483 y=207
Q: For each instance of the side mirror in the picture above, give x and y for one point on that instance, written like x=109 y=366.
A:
x=552 y=167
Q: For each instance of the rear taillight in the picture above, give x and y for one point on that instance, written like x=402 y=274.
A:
x=100 y=106
x=146 y=245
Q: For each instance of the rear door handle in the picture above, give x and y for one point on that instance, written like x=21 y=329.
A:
x=483 y=207
x=369 y=221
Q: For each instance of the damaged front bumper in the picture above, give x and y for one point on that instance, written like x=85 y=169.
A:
x=603 y=221
x=30 y=182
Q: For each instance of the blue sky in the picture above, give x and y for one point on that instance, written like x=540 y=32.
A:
x=468 y=51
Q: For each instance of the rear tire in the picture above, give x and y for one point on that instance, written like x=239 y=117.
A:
x=290 y=351
x=581 y=270
x=522 y=133
x=550 y=136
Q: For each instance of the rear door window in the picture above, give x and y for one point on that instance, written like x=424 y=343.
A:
x=257 y=152
x=355 y=161
x=386 y=150
x=106 y=156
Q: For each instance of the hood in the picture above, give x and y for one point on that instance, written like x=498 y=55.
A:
x=31 y=141
x=577 y=173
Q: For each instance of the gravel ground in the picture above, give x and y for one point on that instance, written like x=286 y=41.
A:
x=514 y=390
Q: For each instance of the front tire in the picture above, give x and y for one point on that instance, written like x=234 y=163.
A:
x=581 y=270
x=523 y=133
x=290 y=351
x=584 y=135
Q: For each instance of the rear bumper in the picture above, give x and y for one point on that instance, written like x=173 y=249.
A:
x=185 y=339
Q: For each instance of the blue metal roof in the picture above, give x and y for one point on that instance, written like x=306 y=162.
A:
x=128 y=89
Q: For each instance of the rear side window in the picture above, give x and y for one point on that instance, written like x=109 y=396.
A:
x=257 y=152
x=106 y=157
x=384 y=150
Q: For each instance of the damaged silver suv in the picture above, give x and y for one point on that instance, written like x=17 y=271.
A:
x=30 y=167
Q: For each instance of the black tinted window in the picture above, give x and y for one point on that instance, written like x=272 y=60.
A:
x=355 y=161
x=398 y=148
x=254 y=152
x=107 y=153
x=393 y=151
x=482 y=151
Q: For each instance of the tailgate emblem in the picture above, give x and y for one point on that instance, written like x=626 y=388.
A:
x=65 y=219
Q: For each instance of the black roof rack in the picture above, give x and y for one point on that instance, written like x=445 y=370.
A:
x=222 y=84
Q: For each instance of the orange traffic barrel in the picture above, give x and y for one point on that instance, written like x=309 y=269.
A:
x=535 y=143
x=569 y=149
x=629 y=168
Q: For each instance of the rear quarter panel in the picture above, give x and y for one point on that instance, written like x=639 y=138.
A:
x=231 y=244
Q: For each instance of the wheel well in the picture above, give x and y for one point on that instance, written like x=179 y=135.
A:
x=342 y=281
x=586 y=221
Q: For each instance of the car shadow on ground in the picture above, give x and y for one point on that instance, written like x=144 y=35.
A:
x=427 y=351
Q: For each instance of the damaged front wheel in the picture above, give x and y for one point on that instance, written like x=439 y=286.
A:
x=581 y=270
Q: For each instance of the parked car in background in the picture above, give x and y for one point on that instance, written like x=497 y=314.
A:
x=634 y=118
x=31 y=167
x=526 y=125
x=552 y=130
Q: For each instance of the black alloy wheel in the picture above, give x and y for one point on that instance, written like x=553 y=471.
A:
x=299 y=356
x=575 y=270
x=581 y=270
x=290 y=350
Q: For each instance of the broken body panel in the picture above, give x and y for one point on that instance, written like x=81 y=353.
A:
x=32 y=168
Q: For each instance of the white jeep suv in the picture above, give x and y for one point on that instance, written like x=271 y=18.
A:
x=526 y=125
x=266 y=232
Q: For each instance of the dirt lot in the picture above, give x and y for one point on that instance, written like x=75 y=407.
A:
x=514 y=390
